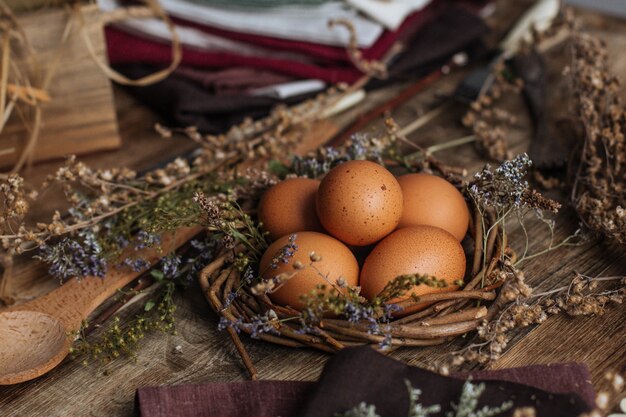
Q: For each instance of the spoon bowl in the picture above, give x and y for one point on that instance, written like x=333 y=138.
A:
x=40 y=334
x=34 y=337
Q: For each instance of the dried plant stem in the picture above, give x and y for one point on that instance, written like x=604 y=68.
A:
x=453 y=295
x=415 y=332
x=5 y=289
x=389 y=105
x=465 y=315
x=97 y=219
x=141 y=284
x=211 y=278
x=424 y=119
x=312 y=341
x=478 y=241
x=361 y=333
x=4 y=77
x=427 y=312
x=492 y=235
x=565 y=242
x=567 y=287
x=451 y=144
x=245 y=357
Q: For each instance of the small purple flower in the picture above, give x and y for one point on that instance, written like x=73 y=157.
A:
x=203 y=254
x=503 y=187
x=248 y=275
x=306 y=329
x=389 y=310
x=136 y=264
x=262 y=324
x=75 y=258
x=170 y=265
x=285 y=253
x=226 y=323
x=230 y=297
x=386 y=342
x=144 y=240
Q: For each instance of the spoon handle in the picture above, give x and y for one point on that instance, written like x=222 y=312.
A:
x=72 y=302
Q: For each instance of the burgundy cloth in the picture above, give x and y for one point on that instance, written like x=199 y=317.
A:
x=558 y=378
x=361 y=374
x=232 y=81
x=231 y=399
x=125 y=48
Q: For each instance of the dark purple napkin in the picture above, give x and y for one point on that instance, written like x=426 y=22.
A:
x=182 y=102
x=231 y=399
x=361 y=374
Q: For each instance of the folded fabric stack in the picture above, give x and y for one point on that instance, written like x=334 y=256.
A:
x=240 y=57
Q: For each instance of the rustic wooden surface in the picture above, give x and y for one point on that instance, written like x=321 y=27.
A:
x=80 y=117
x=207 y=355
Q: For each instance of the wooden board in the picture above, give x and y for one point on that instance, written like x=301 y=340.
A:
x=80 y=117
x=207 y=355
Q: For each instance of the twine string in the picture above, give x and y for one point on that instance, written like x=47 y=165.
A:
x=151 y=9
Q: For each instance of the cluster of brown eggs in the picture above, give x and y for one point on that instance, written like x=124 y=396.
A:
x=412 y=224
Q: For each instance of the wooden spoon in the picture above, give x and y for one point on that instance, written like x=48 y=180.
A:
x=34 y=336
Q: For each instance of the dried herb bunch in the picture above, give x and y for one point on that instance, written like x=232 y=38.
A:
x=489 y=123
x=114 y=214
x=599 y=189
x=611 y=400
x=110 y=209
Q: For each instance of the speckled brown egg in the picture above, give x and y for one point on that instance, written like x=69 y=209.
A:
x=336 y=261
x=289 y=207
x=425 y=250
x=359 y=202
x=431 y=200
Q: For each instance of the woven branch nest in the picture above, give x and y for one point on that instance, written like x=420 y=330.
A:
x=448 y=315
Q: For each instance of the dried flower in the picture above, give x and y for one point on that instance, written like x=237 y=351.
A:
x=488 y=122
x=75 y=258
x=599 y=189
x=503 y=188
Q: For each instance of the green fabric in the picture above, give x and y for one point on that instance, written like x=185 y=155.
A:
x=258 y=3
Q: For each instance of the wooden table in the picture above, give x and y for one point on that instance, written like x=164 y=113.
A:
x=198 y=352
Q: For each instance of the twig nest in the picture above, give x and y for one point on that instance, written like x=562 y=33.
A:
x=359 y=202
x=423 y=250
x=318 y=259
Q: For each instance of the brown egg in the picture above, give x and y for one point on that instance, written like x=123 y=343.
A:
x=425 y=250
x=359 y=202
x=289 y=207
x=431 y=200
x=336 y=262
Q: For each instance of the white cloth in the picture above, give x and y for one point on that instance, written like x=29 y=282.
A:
x=293 y=22
x=194 y=38
x=191 y=37
x=286 y=90
x=390 y=13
